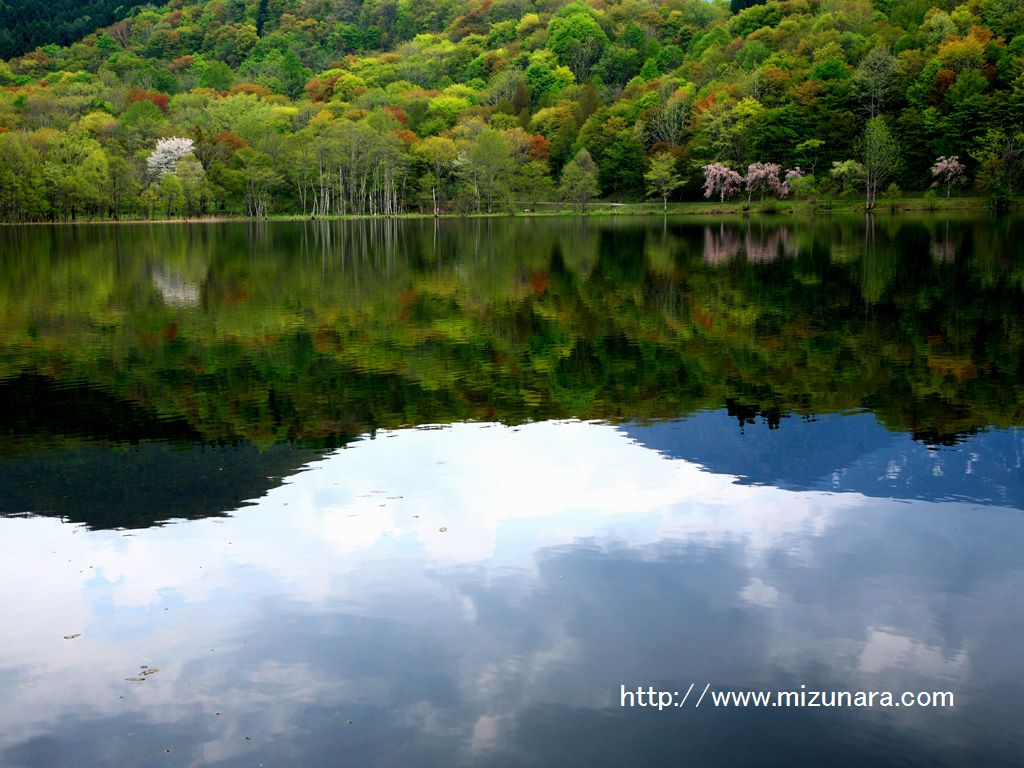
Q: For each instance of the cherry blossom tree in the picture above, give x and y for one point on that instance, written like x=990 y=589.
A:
x=164 y=158
x=792 y=174
x=948 y=172
x=721 y=180
x=762 y=178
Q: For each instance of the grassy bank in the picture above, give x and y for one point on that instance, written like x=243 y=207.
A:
x=907 y=204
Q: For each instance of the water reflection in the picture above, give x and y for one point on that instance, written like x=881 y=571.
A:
x=320 y=331
x=844 y=452
x=460 y=615
x=756 y=454
x=760 y=243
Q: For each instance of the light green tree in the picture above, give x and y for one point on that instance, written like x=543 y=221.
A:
x=438 y=156
x=531 y=182
x=577 y=39
x=662 y=179
x=486 y=165
x=579 y=181
x=195 y=190
x=881 y=158
x=171 y=194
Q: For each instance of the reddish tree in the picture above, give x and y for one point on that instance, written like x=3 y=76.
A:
x=230 y=140
x=159 y=99
x=181 y=63
x=409 y=137
x=540 y=148
x=251 y=88
x=399 y=114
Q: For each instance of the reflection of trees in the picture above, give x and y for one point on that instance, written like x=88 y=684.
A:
x=760 y=243
x=721 y=246
x=944 y=246
x=312 y=329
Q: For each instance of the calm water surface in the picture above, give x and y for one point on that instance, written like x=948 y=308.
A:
x=427 y=494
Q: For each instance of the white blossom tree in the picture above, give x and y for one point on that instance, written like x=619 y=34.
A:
x=948 y=172
x=721 y=180
x=164 y=158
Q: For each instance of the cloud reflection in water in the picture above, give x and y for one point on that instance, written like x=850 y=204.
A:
x=573 y=559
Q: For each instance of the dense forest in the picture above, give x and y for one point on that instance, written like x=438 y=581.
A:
x=27 y=24
x=381 y=107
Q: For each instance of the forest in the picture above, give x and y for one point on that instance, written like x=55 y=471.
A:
x=342 y=107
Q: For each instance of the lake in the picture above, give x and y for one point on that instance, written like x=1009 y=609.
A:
x=442 y=493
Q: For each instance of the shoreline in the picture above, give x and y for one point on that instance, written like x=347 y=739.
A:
x=599 y=210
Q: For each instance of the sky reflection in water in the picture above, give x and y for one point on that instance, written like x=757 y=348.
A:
x=573 y=558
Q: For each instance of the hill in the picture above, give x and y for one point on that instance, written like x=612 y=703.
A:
x=28 y=24
x=384 y=107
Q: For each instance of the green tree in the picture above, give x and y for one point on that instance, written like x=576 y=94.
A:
x=662 y=178
x=123 y=185
x=544 y=77
x=171 y=194
x=1000 y=157
x=531 y=182
x=22 y=184
x=579 y=181
x=563 y=140
x=617 y=149
x=214 y=74
x=195 y=191
x=577 y=39
x=258 y=180
x=881 y=158
x=486 y=165
x=439 y=156
x=875 y=80
x=140 y=124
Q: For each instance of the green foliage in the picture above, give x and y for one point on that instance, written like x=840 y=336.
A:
x=1000 y=157
x=662 y=178
x=579 y=180
x=213 y=74
x=790 y=83
x=577 y=39
x=544 y=78
x=27 y=24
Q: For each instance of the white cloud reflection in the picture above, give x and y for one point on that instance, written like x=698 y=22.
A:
x=357 y=537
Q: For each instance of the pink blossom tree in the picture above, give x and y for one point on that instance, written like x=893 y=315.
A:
x=762 y=178
x=721 y=180
x=792 y=174
x=948 y=172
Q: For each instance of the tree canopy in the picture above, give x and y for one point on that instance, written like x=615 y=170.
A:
x=334 y=99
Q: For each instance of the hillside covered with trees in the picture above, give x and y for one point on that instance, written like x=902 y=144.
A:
x=27 y=24
x=348 y=107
